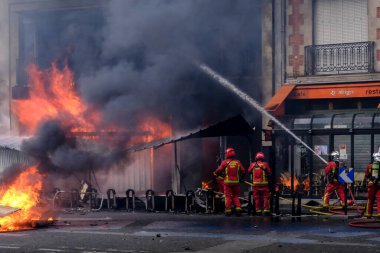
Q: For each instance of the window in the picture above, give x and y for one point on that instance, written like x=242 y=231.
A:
x=322 y=122
x=341 y=21
x=363 y=121
x=342 y=121
x=302 y=123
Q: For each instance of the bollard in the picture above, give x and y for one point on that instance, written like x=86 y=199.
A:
x=189 y=194
x=111 y=196
x=130 y=195
x=251 y=204
x=93 y=197
x=149 y=200
x=277 y=202
x=210 y=195
x=169 y=194
x=299 y=207
x=74 y=198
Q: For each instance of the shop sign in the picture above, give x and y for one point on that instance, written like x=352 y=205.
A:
x=336 y=91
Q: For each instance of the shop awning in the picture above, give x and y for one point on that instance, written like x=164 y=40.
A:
x=235 y=126
x=331 y=91
x=276 y=105
x=326 y=91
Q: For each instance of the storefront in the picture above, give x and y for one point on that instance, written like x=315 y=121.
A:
x=343 y=117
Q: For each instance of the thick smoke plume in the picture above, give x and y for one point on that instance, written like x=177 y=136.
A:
x=136 y=58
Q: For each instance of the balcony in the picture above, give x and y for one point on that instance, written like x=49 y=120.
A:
x=345 y=58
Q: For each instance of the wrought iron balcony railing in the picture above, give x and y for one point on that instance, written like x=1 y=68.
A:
x=339 y=58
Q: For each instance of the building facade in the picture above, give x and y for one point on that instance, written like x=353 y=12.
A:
x=325 y=84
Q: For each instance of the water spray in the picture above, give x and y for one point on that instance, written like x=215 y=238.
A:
x=230 y=86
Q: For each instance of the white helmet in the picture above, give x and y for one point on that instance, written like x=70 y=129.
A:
x=376 y=157
x=335 y=156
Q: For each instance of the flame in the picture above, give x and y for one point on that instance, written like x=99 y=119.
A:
x=23 y=193
x=52 y=95
x=205 y=186
x=306 y=184
x=286 y=180
x=150 y=129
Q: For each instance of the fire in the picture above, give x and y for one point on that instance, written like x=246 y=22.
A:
x=286 y=181
x=24 y=193
x=205 y=186
x=52 y=95
x=306 y=184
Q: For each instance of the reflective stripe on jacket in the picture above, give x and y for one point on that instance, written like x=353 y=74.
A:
x=232 y=171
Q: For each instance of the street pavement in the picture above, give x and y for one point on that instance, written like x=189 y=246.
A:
x=121 y=231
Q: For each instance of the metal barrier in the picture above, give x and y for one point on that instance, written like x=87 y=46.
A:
x=57 y=193
x=111 y=196
x=130 y=195
x=149 y=205
x=74 y=198
x=169 y=194
x=210 y=194
x=92 y=196
x=189 y=195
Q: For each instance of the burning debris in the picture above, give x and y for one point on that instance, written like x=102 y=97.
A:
x=206 y=185
x=285 y=180
x=21 y=201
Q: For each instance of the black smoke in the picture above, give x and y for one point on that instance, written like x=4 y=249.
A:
x=137 y=58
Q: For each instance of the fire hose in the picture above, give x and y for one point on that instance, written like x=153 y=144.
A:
x=317 y=209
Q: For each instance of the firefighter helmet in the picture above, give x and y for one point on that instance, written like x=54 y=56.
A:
x=335 y=156
x=230 y=152
x=376 y=157
x=259 y=156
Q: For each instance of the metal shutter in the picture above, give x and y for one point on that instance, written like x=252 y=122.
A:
x=340 y=21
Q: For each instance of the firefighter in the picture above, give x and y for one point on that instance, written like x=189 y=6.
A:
x=260 y=173
x=219 y=179
x=372 y=175
x=333 y=184
x=231 y=170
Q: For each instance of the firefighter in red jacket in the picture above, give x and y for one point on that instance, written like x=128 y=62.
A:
x=261 y=172
x=372 y=174
x=332 y=173
x=231 y=169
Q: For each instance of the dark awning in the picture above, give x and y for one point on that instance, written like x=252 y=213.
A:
x=235 y=126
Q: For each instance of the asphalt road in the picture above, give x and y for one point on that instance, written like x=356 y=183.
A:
x=119 y=231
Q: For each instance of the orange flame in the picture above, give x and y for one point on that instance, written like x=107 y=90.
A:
x=23 y=193
x=306 y=184
x=52 y=95
x=286 y=180
x=205 y=186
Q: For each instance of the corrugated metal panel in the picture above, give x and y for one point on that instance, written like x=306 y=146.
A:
x=134 y=174
x=12 y=142
x=363 y=154
x=10 y=157
x=341 y=21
